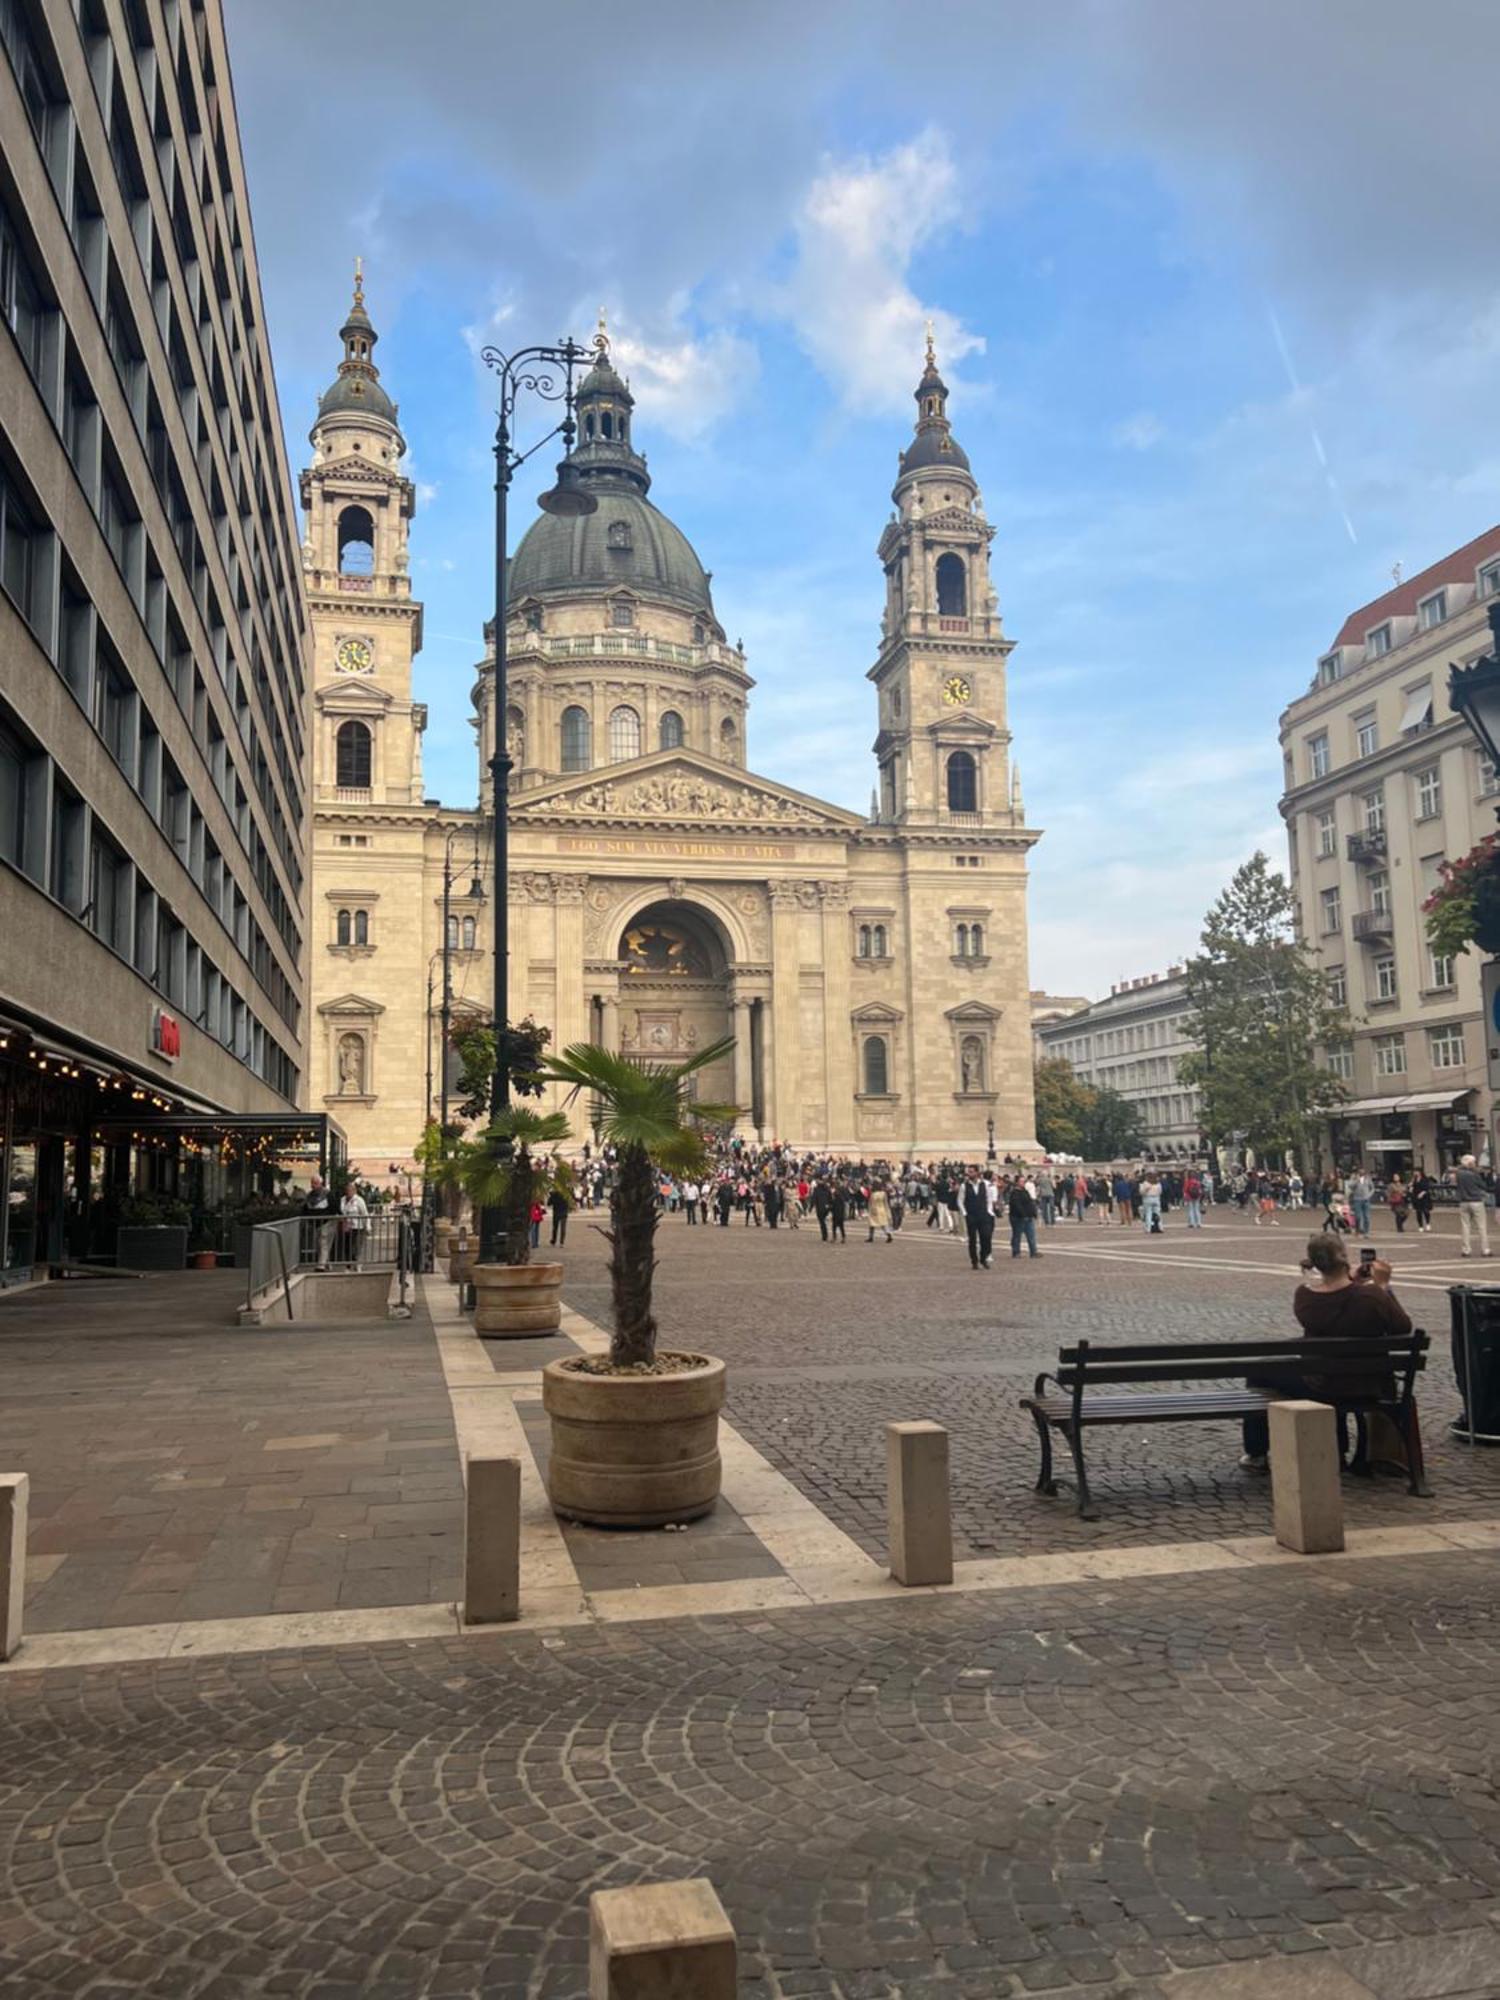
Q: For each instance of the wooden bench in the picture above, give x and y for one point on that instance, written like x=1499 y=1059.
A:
x=1087 y=1377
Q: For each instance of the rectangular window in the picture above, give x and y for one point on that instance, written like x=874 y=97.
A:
x=114 y=702
x=1445 y=1046
x=65 y=876
x=1338 y=987
x=1416 y=716
x=115 y=516
x=1332 y=911
x=1366 y=735
x=1440 y=969
x=1330 y=669
x=108 y=912
x=1380 y=892
x=1341 y=1061
x=1317 y=756
x=1378 y=642
x=1390 y=1055
x=19 y=542
x=1489 y=579
x=22 y=303
x=1328 y=839
x=1385 y=977
x=1489 y=779
x=1372 y=808
x=1432 y=610
x=1429 y=792
x=14 y=762
x=19 y=40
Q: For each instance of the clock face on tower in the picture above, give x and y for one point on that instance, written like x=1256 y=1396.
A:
x=354 y=656
x=956 y=689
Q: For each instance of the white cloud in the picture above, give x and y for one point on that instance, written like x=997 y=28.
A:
x=1140 y=432
x=849 y=298
x=689 y=383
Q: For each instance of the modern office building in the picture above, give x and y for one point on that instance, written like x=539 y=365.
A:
x=1382 y=783
x=153 y=630
x=1133 y=1042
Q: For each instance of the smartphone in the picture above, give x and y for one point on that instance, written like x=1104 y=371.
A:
x=1367 y=1257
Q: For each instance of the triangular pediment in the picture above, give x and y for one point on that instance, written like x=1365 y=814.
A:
x=353 y=694
x=679 y=786
x=973 y=1010
x=956 y=520
x=351 y=1003
x=960 y=724
x=355 y=466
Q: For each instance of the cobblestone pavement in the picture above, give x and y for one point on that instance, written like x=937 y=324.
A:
x=185 y=1468
x=1090 y=1790
x=826 y=1344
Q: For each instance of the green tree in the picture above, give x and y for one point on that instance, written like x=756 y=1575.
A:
x=646 y=1110
x=1111 y=1126
x=499 y=1170
x=474 y=1045
x=1261 y=1020
x=1063 y=1103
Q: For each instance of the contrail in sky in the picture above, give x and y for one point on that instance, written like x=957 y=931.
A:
x=1317 y=442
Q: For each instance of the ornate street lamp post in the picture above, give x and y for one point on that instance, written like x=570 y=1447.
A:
x=546 y=372
x=989 y=1126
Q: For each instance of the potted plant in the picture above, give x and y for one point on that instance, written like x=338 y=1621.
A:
x=635 y=1433
x=501 y=1170
x=152 y=1233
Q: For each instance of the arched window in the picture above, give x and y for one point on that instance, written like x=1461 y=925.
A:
x=607 y=423
x=963 y=783
x=352 y=756
x=356 y=542
x=624 y=735
x=453 y=934
x=729 y=738
x=361 y=926
x=877 y=1066
x=961 y=941
x=468 y=933
x=952 y=586
x=588 y=425
x=575 y=739
x=877 y=941
x=671 y=730
x=622 y=613
x=343 y=932
x=976 y=940
x=864 y=941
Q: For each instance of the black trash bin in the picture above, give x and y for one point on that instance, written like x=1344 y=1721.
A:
x=1476 y=1361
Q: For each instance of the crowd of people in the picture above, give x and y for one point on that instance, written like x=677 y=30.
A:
x=777 y=1186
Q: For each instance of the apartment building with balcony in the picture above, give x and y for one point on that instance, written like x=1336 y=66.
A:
x=1382 y=783
x=154 y=796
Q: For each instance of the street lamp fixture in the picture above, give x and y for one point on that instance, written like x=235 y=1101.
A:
x=989 y=1126
x=548 y=373
x=1474 y=694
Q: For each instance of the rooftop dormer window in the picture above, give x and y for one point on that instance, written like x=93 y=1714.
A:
x=1489 y=580
x=1432 y=610
x=1330 y=669
x=1378 y=641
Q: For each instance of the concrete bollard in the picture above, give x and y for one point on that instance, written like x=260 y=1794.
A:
x=492 y=1541
x=14 y=1488
x=661 y=1941
x=1307 y=1507
x=921 y=1528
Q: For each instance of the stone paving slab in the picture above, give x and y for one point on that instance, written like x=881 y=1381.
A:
x=183 y=1468
x=1279 y=1774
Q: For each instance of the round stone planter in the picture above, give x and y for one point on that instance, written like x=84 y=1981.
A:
x=633 y=1451
x=517 y=1301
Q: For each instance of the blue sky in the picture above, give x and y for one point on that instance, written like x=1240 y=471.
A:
x=1214 y=296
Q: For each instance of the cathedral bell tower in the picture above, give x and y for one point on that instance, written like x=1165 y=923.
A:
x=943 y=749
x=367 y=627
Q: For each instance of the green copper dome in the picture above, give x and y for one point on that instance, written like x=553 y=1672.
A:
x=627 y=542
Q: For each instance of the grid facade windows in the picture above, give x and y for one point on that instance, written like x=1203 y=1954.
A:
x=1331 y=911
x=1318 y=760
x=1390 y=1055
x=1445 y=1046
x=1327 y=832
x=1385 y=984
x=1366 y=734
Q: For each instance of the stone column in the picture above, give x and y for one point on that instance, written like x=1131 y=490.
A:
x=838 y=1051
x=782 y=1052
x=610 y=1030
x=766 y=1128
x=572 y=1008
x=1306 y=1499
x=744 y=1080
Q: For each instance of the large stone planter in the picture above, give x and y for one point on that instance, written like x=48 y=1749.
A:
x=634 y=1451
x=517 y=1301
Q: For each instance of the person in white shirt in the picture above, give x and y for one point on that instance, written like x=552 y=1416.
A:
x=690 y=1201
x=356 y=1220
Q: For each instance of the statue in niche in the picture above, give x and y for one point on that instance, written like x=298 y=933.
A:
x=351 y=1066
x=971 y=1063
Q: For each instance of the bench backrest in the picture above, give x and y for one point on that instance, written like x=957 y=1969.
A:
x=1101 y=1367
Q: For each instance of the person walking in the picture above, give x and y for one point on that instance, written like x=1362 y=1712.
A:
x=690 y=1202
x=1473 y=1206
x=822 y=1203
x=773 y=1203
x=1081 y=1198
x=838 y=1213
x=979 y=1220
x=1192 y=1198
x=1423 y=1188
x=320 y=1206
x=1046 y=1197
x=1398 y=1201
x=1361 y=1194
x=1022 y=1206
x=561 y=1207
x=1151 y=1205
x=878 y=1212
x=1124 y=1193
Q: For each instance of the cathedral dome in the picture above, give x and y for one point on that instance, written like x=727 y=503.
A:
x=628 y=543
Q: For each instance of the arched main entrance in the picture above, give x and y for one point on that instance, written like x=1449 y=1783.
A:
x=674 y=991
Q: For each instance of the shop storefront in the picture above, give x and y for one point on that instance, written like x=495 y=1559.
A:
x=1423 y=1132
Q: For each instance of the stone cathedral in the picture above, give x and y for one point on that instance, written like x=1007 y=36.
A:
x=871 y=968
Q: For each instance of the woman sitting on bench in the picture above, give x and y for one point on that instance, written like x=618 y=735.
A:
x=1346 y=1305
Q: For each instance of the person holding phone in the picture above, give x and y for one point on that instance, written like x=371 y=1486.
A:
x=1333 y=1303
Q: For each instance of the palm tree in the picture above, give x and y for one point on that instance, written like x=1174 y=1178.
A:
x=645 y=1109
x=491 y=1180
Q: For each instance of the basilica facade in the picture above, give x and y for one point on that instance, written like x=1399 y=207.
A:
x=869 y=968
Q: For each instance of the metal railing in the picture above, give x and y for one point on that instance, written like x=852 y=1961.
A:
x=379 y=1241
